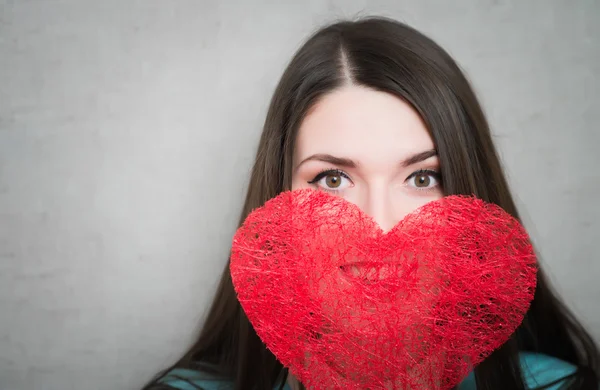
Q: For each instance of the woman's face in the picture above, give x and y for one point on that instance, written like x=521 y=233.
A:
x=370 y=148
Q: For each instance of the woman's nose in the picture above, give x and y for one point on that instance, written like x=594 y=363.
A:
x=380 y=207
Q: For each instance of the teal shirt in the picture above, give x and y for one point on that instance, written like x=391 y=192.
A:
x=538 y=370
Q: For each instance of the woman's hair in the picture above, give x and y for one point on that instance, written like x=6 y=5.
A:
x=391 y=57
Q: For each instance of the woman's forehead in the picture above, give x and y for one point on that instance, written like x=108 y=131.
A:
x=362 y=124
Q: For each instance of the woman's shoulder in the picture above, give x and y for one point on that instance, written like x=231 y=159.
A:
x=185 y=379
x=541 y=369
x=538 y=370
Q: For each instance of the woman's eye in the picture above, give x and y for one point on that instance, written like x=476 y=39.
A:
x=332 y=180
x=424 y=179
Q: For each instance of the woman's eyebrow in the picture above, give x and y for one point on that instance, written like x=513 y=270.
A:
x=417 y=158
x=348 y=163
x=328 y=158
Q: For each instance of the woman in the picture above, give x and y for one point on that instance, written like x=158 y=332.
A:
x=355 y=100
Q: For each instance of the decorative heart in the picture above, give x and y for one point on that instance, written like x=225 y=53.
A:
x=344 y=305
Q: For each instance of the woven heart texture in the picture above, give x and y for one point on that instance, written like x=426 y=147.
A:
x=345 y=305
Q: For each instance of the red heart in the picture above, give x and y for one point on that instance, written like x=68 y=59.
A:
x=346 y=306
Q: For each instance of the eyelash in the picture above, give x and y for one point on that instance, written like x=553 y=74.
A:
x=327 y=172
x=339 y=172
x=436 y=175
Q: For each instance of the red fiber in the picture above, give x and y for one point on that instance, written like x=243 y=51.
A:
x=344 y=305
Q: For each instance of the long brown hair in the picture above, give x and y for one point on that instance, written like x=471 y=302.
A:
x=388 y=56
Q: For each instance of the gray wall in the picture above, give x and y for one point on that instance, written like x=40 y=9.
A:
x=127 y=130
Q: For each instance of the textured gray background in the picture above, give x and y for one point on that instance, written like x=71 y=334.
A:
x=127 y=130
